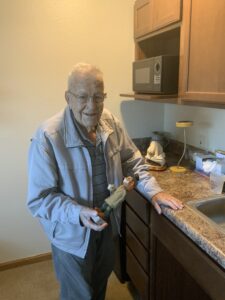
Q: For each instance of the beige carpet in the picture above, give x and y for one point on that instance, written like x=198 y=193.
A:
x=37 y=282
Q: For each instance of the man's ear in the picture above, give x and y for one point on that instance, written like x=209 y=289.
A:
x=67 y=97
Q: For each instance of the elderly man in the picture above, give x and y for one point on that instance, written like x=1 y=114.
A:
x=73 y=157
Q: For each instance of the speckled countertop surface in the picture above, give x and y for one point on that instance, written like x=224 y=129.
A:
x=192 y=186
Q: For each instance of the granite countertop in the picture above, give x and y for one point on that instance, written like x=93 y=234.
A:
x=192 y=186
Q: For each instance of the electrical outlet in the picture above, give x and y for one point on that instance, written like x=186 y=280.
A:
x=202 y=141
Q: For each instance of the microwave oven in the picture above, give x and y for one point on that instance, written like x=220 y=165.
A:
x=156 y=75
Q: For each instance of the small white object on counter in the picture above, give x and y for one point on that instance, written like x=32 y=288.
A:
x=209 y=165
x=200 y=160
x=155 y=153
x=217 y=182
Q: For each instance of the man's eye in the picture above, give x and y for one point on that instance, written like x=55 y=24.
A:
x=99 y=98
x=83 y=97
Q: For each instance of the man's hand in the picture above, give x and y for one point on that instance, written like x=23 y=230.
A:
x=86 y=214
x=166 y=200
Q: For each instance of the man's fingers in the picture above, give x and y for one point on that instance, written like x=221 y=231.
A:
x=90 y=224
x=176 y=202
x=166 y=200
x=169 y=203
x=157 y=207
x=86 y=214
x=98 y=227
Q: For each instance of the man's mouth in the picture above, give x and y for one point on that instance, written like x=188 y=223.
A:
x=90 y=114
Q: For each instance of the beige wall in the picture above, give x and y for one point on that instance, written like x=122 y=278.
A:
x=40 y=41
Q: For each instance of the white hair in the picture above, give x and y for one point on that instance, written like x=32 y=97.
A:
x=84 y=70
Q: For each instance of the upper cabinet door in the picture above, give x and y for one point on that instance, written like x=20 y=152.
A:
x=151 y=15
x=202 y=51
x=165 y=12
x=142 y=17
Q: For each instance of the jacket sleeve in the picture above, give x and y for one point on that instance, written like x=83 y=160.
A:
x=44 y=197
x=133 y=163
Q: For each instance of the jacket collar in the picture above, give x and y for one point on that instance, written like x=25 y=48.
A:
x=72 y=137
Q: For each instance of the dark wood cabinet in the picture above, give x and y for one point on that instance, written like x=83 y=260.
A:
x=162 y=262
x=174 y=254
x=171 y=281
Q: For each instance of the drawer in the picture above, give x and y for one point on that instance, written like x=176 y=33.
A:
x=137 y=249
x=137 y=275
x=139 y=228
x=139 y=204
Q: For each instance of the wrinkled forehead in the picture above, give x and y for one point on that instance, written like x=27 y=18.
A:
x=86 y=82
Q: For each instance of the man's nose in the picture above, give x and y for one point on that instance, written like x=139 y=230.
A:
x=91 y=102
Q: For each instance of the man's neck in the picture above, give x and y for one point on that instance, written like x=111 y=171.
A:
x=92 y=136
x=90 y=132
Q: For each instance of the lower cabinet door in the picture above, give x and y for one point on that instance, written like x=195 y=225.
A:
x=137 y=275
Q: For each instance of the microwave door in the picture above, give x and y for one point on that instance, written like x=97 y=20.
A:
x=142 y=80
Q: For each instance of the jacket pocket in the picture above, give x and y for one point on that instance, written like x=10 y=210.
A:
x=69 y=234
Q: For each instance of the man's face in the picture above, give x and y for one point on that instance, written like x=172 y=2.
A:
x=85 y=99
